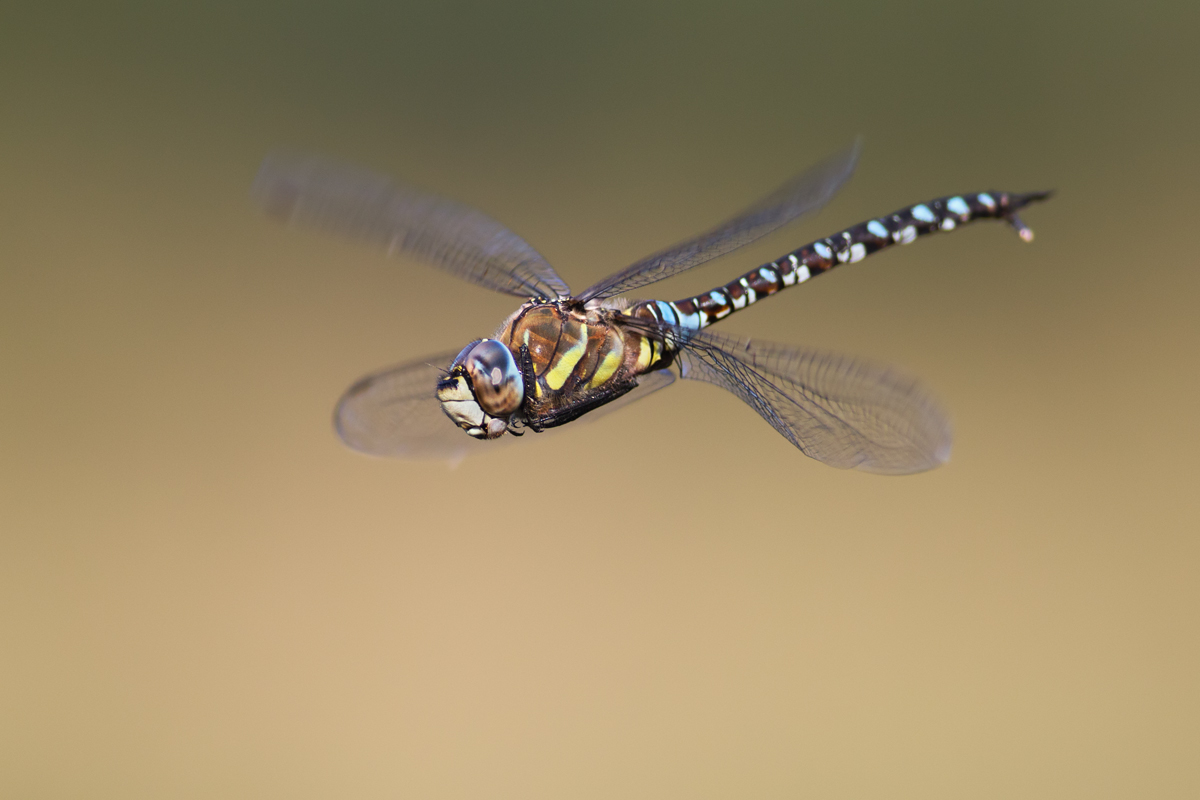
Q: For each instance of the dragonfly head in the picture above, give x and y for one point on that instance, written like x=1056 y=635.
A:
x=482 y=389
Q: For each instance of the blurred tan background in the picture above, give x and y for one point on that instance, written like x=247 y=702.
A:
x=202 y=594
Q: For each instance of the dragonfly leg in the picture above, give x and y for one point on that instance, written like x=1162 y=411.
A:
x=576 y=410
x=529 y=379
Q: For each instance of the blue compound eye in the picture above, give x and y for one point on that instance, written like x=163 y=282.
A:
x=494 y=377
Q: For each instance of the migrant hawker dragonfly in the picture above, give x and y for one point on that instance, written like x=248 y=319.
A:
x=560 y=355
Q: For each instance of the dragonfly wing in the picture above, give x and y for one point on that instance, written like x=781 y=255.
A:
x=842 y=412
x=804 y=194
x=315 y=193
x=395 y=412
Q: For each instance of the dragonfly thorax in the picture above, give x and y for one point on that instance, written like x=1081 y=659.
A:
x=482 y=389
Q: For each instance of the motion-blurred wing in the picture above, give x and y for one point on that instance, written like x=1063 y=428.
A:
x=395 y=413
x=308 y=191
x=805 y=193
x=842 y=412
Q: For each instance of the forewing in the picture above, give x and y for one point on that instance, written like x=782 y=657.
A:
x=842 y=412
x=312 y=192
x=805 y=193
x=395 y=412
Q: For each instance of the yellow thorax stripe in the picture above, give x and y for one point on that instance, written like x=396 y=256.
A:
x=608 y=365
x=645 y=353
x=558 y=374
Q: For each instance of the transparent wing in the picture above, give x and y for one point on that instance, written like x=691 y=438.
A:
x=309 y=191
x=842 y=412
x=395 y=412
x=803 y=194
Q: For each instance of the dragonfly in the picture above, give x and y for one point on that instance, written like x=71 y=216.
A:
x=562 y=356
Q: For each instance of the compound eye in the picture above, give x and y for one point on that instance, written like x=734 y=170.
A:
x=495 y=378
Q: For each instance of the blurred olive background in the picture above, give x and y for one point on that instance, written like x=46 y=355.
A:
x=203 y=594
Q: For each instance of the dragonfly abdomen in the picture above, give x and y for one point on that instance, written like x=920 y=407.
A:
x=847 y=247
